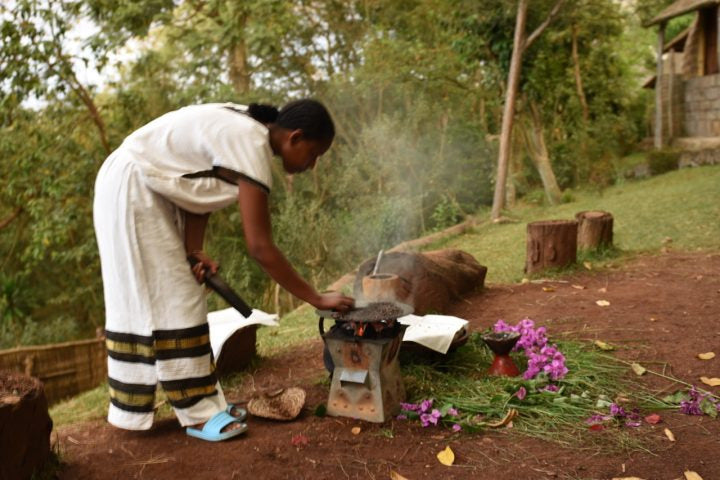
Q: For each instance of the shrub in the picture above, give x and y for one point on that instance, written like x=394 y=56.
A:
x=661 y=161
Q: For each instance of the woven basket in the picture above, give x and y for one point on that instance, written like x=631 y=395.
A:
x=279 y=404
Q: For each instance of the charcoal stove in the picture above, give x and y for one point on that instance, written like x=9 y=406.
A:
x=361 y=353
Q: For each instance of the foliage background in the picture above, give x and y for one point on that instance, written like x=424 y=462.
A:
x=415 y=87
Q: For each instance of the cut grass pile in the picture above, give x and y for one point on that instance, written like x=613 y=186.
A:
x=593 y=382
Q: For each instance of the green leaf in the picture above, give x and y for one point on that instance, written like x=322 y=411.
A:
x=709 y=408
x=675 y=398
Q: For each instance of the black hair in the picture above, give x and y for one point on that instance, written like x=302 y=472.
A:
x=263 y=113
x=308 y=115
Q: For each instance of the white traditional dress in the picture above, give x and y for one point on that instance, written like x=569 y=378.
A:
x=156 y=315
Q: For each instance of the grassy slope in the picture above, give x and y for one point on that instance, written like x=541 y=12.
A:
x=683 y=205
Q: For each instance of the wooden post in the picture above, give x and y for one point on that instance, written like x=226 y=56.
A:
x=595 y=229
x=658 y=88
x=717 y=38
x=550 y=243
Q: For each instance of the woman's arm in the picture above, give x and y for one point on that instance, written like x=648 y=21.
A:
x=253 y=203
x=194 y=231
x=194 y=238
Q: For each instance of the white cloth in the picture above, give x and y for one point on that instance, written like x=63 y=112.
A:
x=196 y=139
x=223 y=323
x=435 y=332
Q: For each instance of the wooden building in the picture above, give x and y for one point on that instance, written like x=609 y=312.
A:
x=687 y=96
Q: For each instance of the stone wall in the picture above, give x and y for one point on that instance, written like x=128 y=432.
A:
x=702 y=106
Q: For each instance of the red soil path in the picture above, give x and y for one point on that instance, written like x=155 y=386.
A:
x=666 y=307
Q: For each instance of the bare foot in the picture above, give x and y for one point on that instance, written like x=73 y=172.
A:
x=235 y=412
x=228 y=428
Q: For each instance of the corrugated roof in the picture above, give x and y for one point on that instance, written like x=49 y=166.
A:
x=680 y=7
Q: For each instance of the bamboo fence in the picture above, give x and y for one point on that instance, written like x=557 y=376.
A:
x=65 y=369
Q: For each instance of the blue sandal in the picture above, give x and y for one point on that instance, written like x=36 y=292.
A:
x=212 y=430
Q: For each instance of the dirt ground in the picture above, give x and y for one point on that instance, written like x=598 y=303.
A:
x=665 y=307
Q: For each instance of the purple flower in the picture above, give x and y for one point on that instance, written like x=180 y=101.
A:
x=401 y=417
x=691 y=406
x=456 y=428
x=427 y=419
x=409 y=407
x=617 y=411
x=452 y=412
x=632 y=423
x=533 y=341
x=520 y=394
x=597 y=418
x=551 y=388
x=426 y=405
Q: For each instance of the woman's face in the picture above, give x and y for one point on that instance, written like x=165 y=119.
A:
x=300 y=154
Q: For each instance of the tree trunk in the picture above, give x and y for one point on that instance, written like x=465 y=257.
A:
x=239 y=70
x=25 y=426
x=509 y=109
x=535 y=141
x=578 y=77
x=551 y=244
x=520 y=43
x=8 y=220
x=595 y=230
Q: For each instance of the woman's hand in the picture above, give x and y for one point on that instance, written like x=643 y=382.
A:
x=202 y=265
x=334 y=301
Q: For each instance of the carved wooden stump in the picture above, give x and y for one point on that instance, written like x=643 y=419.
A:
x=237 y=351
x=595 y=229
x=427 y=281
x=551 y=243
x=25 y=426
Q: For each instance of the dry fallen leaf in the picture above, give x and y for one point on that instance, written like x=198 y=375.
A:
x=578 y=287
x=690 y=475
x=548 y=289
x=355 y=430
x=602 y=290
x=706 y=356
x=713 y=382
x=587 y=265
x=446 y=457
x=652 y=319
x=638 y=369
x=512 y=413
x=524 y=281
x=603 y=303
x=603 y=346
x=653 y=419
x=396 y=476
x=669 y=434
